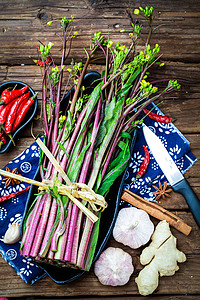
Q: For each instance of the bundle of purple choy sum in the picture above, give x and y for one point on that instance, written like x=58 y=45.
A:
x=86 y=147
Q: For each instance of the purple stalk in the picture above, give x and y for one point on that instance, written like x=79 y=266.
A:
x=57 y=108
x=41 y=227
x=72 y=226
x=139 y=110
x=52 y=217
x=72 y=141
x=75 y=96
x=54 y=153
x=84 y=243
x=76 y=129
x=89 y=153
x=63 y=239
x=33 y=226
x=50 y=255
x=82 y=143
x=60 y=228
x=82 y=179
x=26 y=230
x=76 y=237
x=44 y=95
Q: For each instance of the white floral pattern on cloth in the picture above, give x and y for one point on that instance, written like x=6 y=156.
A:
x=178 y=147
x=12 y=210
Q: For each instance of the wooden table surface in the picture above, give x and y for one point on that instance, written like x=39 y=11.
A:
x=22 y=24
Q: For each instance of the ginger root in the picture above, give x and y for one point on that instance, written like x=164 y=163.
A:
x=161 y=256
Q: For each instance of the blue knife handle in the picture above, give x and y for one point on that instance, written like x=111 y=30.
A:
x=184 y=188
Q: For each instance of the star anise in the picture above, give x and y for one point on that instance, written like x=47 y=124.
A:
x=162 y=191
x=11 y=181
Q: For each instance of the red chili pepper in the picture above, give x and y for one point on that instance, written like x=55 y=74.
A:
x=8 y=96
x=2 y=139
x=13 y=112
x=1 y=108
x=144 y=164
x=22 y=110
x=9 y=196
x=4 y=113
x=158 y=118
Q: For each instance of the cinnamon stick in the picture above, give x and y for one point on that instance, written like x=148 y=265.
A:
x=156 y=211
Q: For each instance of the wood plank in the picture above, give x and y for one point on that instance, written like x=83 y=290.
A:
x=105 y=17
x=124 y=297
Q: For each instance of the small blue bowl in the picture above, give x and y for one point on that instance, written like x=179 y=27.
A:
x=29 y=116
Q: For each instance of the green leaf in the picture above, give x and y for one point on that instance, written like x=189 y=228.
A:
x=63 y=149
x=109 y=127
x=98 y=181
x=125 y=89
x=73 y=174
x=69 y=126
x=92 y=102
x=111 y=116
x=126 y=135
x=116 y=168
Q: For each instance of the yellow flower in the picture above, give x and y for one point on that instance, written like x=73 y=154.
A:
x=74 y=34
x=121 y=47
x=109 y=44
x=131 y=34
x=136 y=11
x=62 y=119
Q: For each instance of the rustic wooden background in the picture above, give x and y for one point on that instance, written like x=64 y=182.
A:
x=22 y=24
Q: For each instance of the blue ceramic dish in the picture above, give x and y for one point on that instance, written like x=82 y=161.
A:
x=62 y=275
x=29 y=116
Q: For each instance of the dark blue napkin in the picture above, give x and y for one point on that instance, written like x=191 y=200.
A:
x=11 y=211
x=176 y=144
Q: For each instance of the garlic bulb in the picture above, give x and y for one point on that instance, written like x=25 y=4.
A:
x=133 y=227
x=12 y=234
x=114 y=267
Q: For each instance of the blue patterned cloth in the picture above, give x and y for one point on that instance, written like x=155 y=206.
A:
x=11 y=211
x=176 y=144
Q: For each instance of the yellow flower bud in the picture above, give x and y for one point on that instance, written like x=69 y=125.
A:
x=136 y=11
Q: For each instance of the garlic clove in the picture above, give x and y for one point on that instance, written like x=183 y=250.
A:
x=133 y=227
x=12 y=234
x=114 y=267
